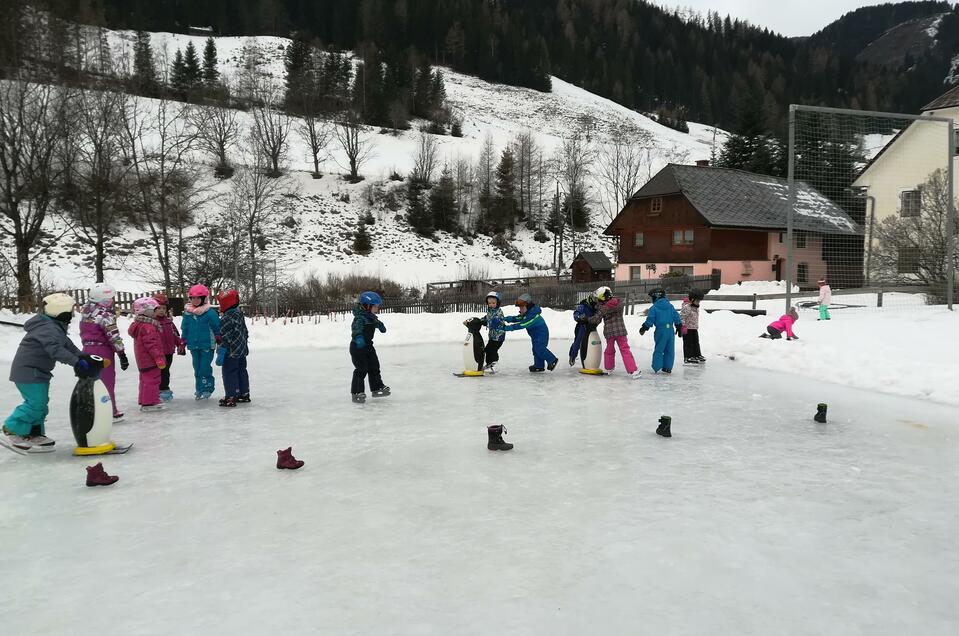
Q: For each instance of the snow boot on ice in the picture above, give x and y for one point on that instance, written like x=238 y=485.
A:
x=663 y=428
x=383 y=392
x=552 y=365
x=244 y=399
x=96 y=476
x=359 y=398
x=285 y=460
x=533 y=369
x=228 y=401
x=496 y=438
x=820 y=415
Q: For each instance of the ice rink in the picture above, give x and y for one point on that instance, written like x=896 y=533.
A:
x=752 y=519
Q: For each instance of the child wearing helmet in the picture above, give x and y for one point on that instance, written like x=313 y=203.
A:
x=610 y=312
x=531 y=319
x=148 y=351
x=494 y=321
x=689 y=312
x=101 y=337
x=170 y=336
x=201 y=335
x=666 y=319
x=235 y=349
x=785 y=323
x=365 y=361
x=45 y=344
x=585 y=310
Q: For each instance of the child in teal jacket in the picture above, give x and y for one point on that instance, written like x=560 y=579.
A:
x=200 y=333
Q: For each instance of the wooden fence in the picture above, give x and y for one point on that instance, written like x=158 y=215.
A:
x=123 y=301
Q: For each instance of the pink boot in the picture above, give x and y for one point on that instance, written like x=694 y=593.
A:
x=96 y=476
x=285 y=459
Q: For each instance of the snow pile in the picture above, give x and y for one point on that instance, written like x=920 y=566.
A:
x=748 y=287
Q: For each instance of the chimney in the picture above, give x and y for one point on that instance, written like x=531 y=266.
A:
x=702 y=163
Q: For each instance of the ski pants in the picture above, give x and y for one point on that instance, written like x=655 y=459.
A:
x=824 y=312
x=29 y=417
x=609 y=355
x=541 y=353
x=365 y=363
x=664 y=353
x=774 y=333
x=109 y=373
x=236 y=381
x=203 y=370
x=580 y=342
x=165 y=373
x=492 y=351
x=150 y=386
x=691 y=344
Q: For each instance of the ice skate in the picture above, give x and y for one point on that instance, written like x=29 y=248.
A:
x=150 y=408
x=244 y=399
x=285 y=460
x=42 y=440
x=359 y=398
x=228 y=401
x=96 y=476
x=166 y=396
x=636 y=374
x=691 y=361
x=572 y=361
x=552 y=365
x=533 y=369
x=663 y=428
x=118 y=417
x=490 y=368
x=701 y=359
x=14 y=441
x=496 y=442
x=205 y=395
x=382 y=392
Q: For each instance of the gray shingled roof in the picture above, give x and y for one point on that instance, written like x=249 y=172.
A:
x=946 y=100
x=596 y=260
x=733 y=198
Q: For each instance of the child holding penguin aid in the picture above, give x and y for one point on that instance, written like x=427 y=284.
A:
x=45 y=344
x=531 y=319
x=668 y=323
x=148 y=351
x=101 y=337
x=494 y=321
x=610 y=312
x=585 y=310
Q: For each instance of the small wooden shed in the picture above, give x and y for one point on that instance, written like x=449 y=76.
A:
x=591 y=266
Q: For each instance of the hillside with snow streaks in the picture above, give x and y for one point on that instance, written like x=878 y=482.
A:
x=322 y=216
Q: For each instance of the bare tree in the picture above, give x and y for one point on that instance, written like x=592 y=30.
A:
x=94 y=194
x=424 y=158
x=349 y=134
x=270 y=133
x=32 y=128
x=525 y=151
x=623 y=166
x=465 y=178
x=317 y=133
x=218 y=130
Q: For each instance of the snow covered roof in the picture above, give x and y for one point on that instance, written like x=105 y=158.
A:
x=596 y=260
x=734 y=198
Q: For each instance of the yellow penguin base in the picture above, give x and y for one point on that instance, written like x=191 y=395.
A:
x=473 y=374
x=94 y=450
x=591 y=371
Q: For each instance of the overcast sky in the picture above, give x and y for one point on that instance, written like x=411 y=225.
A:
x=789 y=17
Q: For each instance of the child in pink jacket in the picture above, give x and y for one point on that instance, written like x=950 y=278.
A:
x=148 y=350
x=610 y=312
x=785 y=323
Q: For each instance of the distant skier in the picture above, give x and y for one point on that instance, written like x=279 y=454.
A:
x=825 y=297
x=494 y=321
x=101 y=337
x=531 y=319
x=45 y=344
x=170 y=336
x=668 y=325
x=585 y=310
x=235 y=348
x=785 y=323
x=148 y=349
x=690 y=315
x=365 y=361
x=610 y=311
x=201 y=335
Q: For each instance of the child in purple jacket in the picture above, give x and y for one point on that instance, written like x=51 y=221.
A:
x=101 y=337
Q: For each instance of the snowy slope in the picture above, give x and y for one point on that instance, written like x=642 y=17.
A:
x=328 y=209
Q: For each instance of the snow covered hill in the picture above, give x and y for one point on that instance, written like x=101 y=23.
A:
x=323 y=215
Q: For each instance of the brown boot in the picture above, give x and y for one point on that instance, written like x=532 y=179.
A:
x=96 y=476
x=285 y=459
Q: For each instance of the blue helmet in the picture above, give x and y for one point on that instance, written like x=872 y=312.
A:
x=370 y=298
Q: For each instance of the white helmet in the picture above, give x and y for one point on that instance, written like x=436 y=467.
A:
x=604 y=293
x=102 y=294
x=56 y=304
x=496 y=295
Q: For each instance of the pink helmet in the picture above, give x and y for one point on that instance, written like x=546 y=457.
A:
x=145 y=306
x=199 y=290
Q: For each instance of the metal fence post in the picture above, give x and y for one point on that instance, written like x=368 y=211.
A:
x=754 y=301
x=951 y=220
x=879 y=299
x=791 y=175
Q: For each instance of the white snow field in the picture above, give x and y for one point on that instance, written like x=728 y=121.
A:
x=751 y=519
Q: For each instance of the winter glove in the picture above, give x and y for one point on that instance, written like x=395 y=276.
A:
x=220 y=356
x=181 y=343
x=84 y=369
x=643 y=330
x=217 y=338
x=360 y=342
x=381 y=327
x=679 y=330
x=684 y=331
x=161 y=364
x=181 y=350
x=124 y=362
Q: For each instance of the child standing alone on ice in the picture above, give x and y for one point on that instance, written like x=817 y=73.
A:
x=690 y=315
x=236 y=380
x=610 y=312
x=825 y=297
x=365 y=361
x=170 y=336
x=101 y=337
x=201 y=335
x=665 y=318
x=148 y=350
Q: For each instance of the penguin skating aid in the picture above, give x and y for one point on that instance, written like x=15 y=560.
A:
x=474 y=354
x=91 y=416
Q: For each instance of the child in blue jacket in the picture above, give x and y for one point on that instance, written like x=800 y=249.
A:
x=200 y=333
x=585 y=310
x=531 y=319
x=495 y=323
x=365 y=361
x=231 y=355
x=668 y=323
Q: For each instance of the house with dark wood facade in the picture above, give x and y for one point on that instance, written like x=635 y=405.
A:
x=699 y=219
x=590 y=267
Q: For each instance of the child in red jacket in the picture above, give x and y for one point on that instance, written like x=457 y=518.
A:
x=170 y=336
x=148 y=349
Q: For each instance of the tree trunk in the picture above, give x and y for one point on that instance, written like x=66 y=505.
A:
x=25 y=299
x=253 y=297
x=316 y=164
x=98 y=260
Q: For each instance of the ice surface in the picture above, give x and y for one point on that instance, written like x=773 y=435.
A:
x=752 y=519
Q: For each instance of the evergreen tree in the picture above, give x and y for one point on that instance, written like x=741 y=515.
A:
x=503 y=213
x=417 y=214
x=191 y=67
x=422 y=91
x=750 y=148
x=443 y=204
x=144 y=68
x=210 y=72
x=362 y=244
x=576 y=210
x=437 y=91
x=298 y=62
x=178 y=80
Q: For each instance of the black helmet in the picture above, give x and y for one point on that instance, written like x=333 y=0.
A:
x=696 y=294
x=657 y=293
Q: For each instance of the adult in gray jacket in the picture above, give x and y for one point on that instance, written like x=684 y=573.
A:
x=45 y=344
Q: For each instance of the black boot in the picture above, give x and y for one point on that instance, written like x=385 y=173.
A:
x=496 y=438
x=820 y=415
x=663 y=428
